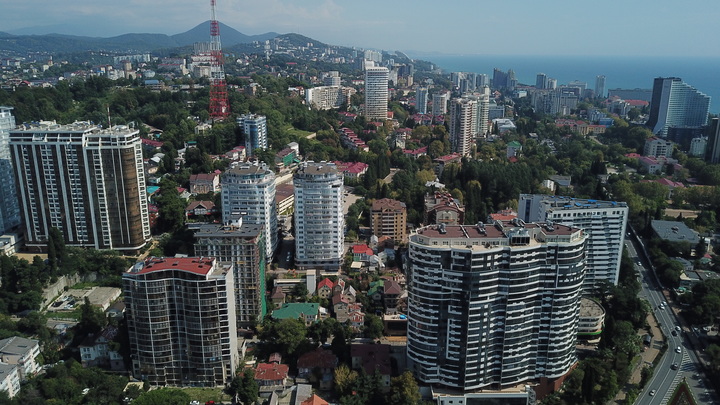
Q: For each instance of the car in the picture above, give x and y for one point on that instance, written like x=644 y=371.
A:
x=678 y=349
x=661 y=306
x=674 y=366
x=652 y=392
x=674 y=332
x=678 y=328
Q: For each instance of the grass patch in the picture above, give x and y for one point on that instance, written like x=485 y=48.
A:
x=297 y=132
x=203 y=395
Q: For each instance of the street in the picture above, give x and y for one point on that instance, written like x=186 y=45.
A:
x=667 y=377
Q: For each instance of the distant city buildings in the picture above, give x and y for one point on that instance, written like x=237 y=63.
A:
x=85 y=181
x=376 y=93
x=243 y=245
x=319 y=221
x=600 y=86
x=328 y=97
x=248 y=193
x=493 y=306
x=541 y=81
x=254 y=127
x=181 y=321
x=603 y=221
x=9 y=207
x=676 y=104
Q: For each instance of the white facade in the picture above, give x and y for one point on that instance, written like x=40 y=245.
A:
x=493 y=305
x=21 y=352
x=658 y=147
x=327 y=97
x=463 y=123
x=248 y=192
x=9 y=208
x=254 y=127
x=603 y=221
x=376 y=93
x=439 y=103
x=319 y=221
x=698 y=146
x=9 y=379
x=332 y=78
x=676 y=104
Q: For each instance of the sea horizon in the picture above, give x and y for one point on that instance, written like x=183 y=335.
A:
x=624 y=72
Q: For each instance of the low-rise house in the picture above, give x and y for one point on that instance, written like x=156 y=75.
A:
x=21 y=352
x=277 y=297
x=443 y=208
x=9 y=379
x=307 y=312
x=325 y=288
x=200 y=208
x=356 y=316
x=95 y=350
x=314 y=400
x=340 y=308
x=391 y=294
x=361 y=253
x=371 y=358
x=317 y=367
x=204 y=183
x=271 y=374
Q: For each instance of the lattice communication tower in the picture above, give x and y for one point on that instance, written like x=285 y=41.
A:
x=219 y=105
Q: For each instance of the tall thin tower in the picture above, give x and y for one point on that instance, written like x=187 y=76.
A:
x=219 y=106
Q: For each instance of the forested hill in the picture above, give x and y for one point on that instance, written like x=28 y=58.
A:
x=142 y=42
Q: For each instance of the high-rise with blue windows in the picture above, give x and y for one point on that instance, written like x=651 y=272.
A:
x=676 y=104
x=254 y=127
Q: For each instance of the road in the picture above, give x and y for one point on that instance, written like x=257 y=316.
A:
x=665 y=377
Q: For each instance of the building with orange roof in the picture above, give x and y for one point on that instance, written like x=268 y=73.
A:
x=314 y=400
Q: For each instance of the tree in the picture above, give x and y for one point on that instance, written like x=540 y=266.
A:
x=247 y=387
x=92 y=319
x=284 y=336
x=404 y=390
x=344 y=379
x=373 y=326
x=163 y=396
x=300 y=292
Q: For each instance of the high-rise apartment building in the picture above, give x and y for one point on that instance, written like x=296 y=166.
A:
x=248 y=193
x=319 y=222
x=421 y=99
x=243 y=245
x=493 y=306
x=541 y=81
x=388 y=217
x=9 y=208
x=86 y=181
x=254 y=127
x=463 y=123
x=439 y=104
x=482 y=105
x=714 y=140
x=603 y=221
x=676 y=104
x=600 y=86
x=181 y=320
x=376 y=93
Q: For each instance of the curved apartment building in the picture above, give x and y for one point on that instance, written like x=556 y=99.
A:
x=492 y=306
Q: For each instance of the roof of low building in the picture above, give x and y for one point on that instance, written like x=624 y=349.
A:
x=295 y=310
x=318 y=358
x=271 y=372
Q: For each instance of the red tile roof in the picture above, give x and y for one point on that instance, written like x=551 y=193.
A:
x=271 y=372
x=319 y=358
x=192 y=264
x=325 y=282
x=314 y=400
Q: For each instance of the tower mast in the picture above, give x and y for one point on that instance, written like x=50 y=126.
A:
x=219 y=106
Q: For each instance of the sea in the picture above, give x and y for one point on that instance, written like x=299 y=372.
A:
x=625 y=72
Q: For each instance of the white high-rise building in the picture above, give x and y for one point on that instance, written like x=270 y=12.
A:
x=9 y=208
x=86 y=181
x=331 y=78
x=248 y=193
x=319 y=222
x=421 y=99
x=603 y=221
x=376 y=93
x=439 y=103
x=493 y=306
x=676 y=104
x=254 y=127
x=463 y=123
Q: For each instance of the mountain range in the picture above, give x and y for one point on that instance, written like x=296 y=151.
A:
x=59 y=43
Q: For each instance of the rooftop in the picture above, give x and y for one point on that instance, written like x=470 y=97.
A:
x=217 y=230
x=202 y=265
x=296 y=310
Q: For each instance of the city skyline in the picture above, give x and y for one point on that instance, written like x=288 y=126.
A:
x=363 y=27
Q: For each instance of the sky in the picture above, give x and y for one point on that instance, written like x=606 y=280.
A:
x=420 y=27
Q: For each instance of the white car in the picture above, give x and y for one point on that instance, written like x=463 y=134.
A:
x=677 y=328
x=652 y=392
x=678 y=349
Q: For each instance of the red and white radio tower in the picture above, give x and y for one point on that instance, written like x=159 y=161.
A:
x=219 y=106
